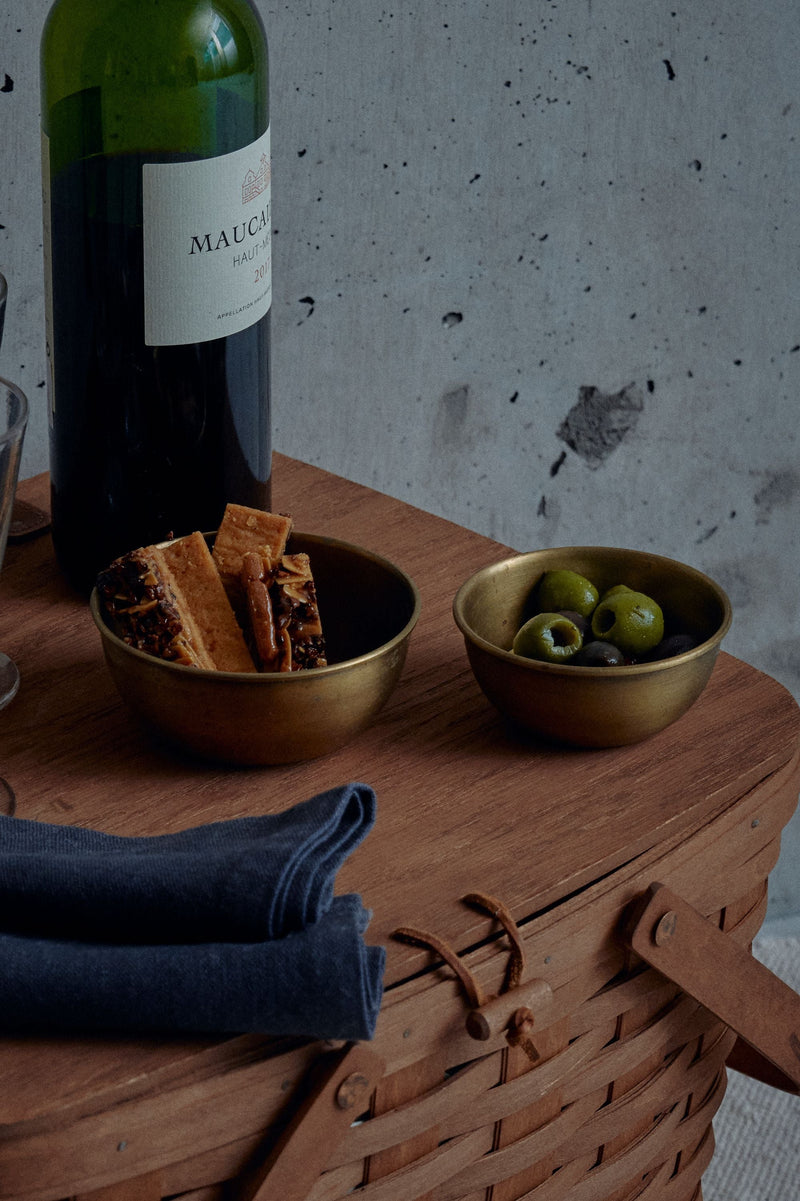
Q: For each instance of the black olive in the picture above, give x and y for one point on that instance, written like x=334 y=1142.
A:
x=674 y=644
x=599 y=654
x=577 y=619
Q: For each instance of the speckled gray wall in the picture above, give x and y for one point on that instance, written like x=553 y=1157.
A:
x=536 y=270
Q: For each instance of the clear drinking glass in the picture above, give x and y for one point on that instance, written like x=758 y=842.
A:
x=13 y=419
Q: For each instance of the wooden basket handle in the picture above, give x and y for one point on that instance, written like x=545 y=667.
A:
x=706 y=963
x=339 y=1093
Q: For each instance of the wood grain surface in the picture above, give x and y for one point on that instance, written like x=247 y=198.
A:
x=464 y=802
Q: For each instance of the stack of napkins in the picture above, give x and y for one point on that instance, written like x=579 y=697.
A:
x=227 y=927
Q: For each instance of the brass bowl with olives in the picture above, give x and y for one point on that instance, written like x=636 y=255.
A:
x=539 y=641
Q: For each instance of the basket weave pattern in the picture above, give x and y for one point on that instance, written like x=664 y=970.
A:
x=618 y=1106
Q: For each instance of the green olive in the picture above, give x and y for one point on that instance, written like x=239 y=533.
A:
x=614 y=589
x=562 y=589
x=549 y=637
x=632 y=621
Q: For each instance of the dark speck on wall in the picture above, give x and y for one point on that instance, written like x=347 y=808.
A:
x=451 y=319
x=309 y=300
x=452 y=426
x=600 y=421
x=668 y=65
x=780 y=490
x=706 y=534
x=556 y=466
x=8 y=84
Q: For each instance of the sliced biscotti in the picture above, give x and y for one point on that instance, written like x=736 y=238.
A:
x=272 y=592
x=282 y=613
x=169 y=601
x=244 y=531
x=296 y=612
x=248 y=606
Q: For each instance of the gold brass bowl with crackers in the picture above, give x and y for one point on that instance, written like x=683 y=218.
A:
x=255 y=645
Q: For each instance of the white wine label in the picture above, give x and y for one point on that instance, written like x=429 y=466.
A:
x=207 y=246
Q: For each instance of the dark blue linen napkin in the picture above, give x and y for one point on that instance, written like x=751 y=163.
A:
x=321 y=982
x=244 y=880
x=227 y=927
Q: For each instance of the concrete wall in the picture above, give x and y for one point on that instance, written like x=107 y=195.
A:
x=535 y=269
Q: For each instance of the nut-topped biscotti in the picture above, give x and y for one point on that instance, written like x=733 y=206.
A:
x=272 y=593
x=248 y=606
x=287 y=629
x=169 y=601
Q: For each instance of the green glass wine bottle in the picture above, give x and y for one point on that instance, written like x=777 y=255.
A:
x=158 y=279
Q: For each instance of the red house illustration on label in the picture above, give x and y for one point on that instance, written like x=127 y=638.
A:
x=256 y=182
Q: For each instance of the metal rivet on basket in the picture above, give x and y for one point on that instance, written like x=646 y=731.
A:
x=665 y=928
x=352 y=1090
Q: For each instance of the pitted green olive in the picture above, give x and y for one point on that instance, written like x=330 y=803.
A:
x=630 y=620
x=550 y=637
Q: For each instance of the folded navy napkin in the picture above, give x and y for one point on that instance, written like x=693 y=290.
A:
x=243 y=880
x=321 y=982
x=227 y=927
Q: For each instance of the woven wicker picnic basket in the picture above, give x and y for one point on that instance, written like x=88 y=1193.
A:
x=576 y=1055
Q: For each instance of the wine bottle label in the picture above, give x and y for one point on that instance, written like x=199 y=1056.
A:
x=207 y=245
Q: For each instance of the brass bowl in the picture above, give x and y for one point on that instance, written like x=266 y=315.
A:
x=590 y=706
x=369 y=608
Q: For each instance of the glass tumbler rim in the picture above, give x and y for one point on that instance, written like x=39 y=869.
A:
x=18 y=424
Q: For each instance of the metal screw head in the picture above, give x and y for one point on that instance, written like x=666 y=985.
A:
x=665 y=928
